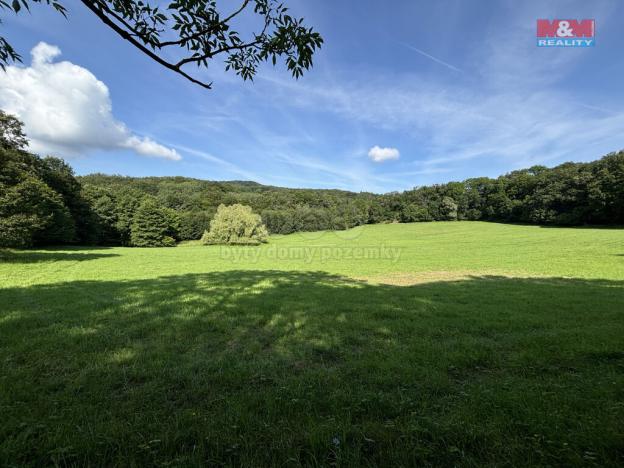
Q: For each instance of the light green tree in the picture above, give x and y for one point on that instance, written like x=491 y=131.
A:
x=236 y=224
x=448 y=209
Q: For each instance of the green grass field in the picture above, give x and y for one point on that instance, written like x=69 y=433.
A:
x=439 y=344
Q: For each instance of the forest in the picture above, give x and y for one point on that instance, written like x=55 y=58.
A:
x=42 y=202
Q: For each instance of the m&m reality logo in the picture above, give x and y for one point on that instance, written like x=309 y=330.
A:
x=566 y=33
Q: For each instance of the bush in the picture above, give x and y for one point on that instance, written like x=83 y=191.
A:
x=168 y=241
x=235 y=224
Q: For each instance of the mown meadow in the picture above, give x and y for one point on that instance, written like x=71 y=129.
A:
x=444 y=344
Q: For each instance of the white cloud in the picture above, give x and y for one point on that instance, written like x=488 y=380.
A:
x=66 y=110
x=43 y=53
x=379 y=154
x=148 y=147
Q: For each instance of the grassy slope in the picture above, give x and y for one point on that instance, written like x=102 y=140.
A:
x=482 y=344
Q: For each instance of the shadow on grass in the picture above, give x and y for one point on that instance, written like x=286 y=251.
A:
x=71 y=254
x=273 y=367
x=614 y=227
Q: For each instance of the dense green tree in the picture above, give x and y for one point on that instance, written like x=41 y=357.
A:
x=152 y=225
x=32 y=213
x=18 y=230
x=59 y=176
x=103 y=215
x=193 y=224
x=448 y=209
x=606 y=189
x=413 y=212
x=127 y=203
x=279 y=221
x=497 y=204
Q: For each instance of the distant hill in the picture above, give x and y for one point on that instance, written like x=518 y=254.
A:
x=568 y=194
x=150 y=184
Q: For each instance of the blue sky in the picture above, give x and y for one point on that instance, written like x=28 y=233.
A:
x=452 y=89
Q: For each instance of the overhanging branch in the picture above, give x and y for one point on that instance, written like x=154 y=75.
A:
x=129 y=37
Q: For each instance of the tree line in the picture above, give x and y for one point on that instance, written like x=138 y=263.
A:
x=42 y=201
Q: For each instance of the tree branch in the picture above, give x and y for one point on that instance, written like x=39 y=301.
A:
x=216 y=52
x=227 y=48
x=128 y=37
x=204 y=31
